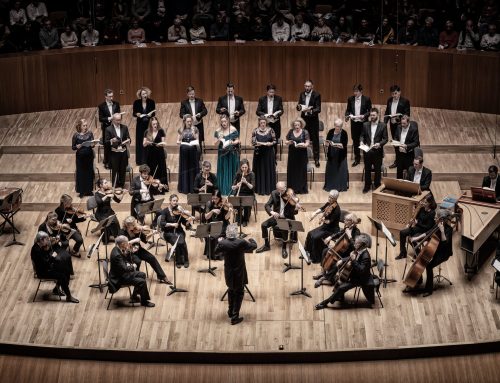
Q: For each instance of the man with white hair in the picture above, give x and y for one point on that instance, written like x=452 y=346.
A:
x=235 y=271
x=116 y=135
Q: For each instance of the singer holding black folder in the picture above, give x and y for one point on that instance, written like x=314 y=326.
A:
x=82 y=143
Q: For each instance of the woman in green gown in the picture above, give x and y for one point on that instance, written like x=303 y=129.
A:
x=228 y=159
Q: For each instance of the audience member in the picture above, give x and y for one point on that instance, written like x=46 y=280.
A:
x=408 y=34
x=140 y=9
x=491 y=40
x=89 y=37
x=385 y=33
x=220 y=29
x=321 y=31
x=300 y=30
x=364 y=33
x=36 y=11
x=177 y=31
x=68 y=38
x=259 y=30
x=280 y=29
x=468 y=38
x=197 y=32
x=240 y=29
x=449 y=37
x=136 y=34
x=428 y=36
x=48 y=35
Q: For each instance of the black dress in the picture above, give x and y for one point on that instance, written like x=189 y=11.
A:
x=189 y=164
x=336 y=173
x=296 y=174
x=155 y=158
x=84 y=178
x=264 y=166
x=142 y=126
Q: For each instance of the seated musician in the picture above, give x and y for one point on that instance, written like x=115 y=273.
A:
x=103 y=197
x=423 y=222
x=58 y=236
x=217 y=210
x=492 y=180
x=48 y=264
x=206 y=181
x=444 y=249
x=329 y=221
x=279 y=206
x=243 y=185
x=418 y=173
x=137 y=233
x=66 y=213
x=143 y=188
x=171 y=220
x=407 y=135
x=359 y=263
x=123 y=271
x=351 y=232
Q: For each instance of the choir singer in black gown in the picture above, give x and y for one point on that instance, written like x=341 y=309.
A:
x=143 y=109
x=154 y=142
x=298 y=141
x=336 y=172
x=264 y=163
x=82 y=144
x=189 y=161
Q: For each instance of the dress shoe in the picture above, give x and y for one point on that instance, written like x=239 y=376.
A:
x=366 y=190
x=401 y=256
x=106 y=166
x=236 y=319
x=244 y=224
x=316 y=163
x=178 y=265
x=262 y=249
x=284 y=253
x=316 y=277
x=355 y=163
x=427 y=293
x=58 y=291
x=80 y=195
x=71 y=299
x=186 y=264
x=392 y=166
x=75 y=254
x=134 y=299
x=321 y=306
x=165 y=281
x=420 y=281
x=148 y=304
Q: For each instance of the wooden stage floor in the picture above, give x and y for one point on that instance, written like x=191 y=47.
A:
x=35 y=155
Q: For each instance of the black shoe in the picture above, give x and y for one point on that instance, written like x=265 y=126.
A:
x=178 y=265
x=366 y=190
x=186 y=264
x=321 y=306
x=427 y=293
x=89 y=194
x=316 y=277
x=401 y=256
x=244 y=224
x=392 y=166
x=165 y=281
x=420 y=281
x=262 y=249
x=316 y=163
x=284 y=253
x=355 y=163
x=80 y=195
x=134 y=299
x=58 y=291
x=148 y=304
x=236 y=319
x=71 y=299
x=106 y=166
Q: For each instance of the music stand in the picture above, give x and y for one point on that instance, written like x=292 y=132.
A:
x=379 y=226
x=303 y=256
x=8 y=212
x=172 y=253
x=247 y=290
x=149 y=207
x=289 y=225
x=103 y=225
x=95 y=248
x=209 y=231
x=240 y=202
x=198 y=199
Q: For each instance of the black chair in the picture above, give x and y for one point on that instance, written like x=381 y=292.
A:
x=91 y=205
x=41 y=280
x=160 y=237
x=111 y=289
x=373 y=286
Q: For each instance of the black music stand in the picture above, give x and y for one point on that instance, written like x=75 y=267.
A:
x=303 y=256
x=240 y=202
x=103 y=225
x=172 y=253
x=95 y=248
x=379 y=226
x=209 y=231
x=149 y=207
x=289 y=225
x=198 y=199
x=247 y=290
x=7 y=212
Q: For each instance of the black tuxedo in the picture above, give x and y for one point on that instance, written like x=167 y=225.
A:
x=403 y=108
x=412 y=140
x=373 y=158
x=262 y=109
x=63 y=217
x=199 y=108
x=105 y=122
x=119 y=160
x=357 y=126
x=312 y=119
x=135 y=192
x=487 y=183
x=238 y=107
x=274 y=204
x=425 y=179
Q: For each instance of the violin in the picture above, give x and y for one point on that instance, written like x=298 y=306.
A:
x=61 y=227
x=328 y=210
x=181 y=213
x=72 y=211
x=150 y=181
x=118 y=192
x=290 y=198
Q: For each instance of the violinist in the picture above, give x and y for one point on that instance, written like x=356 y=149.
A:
x=103 y=197
x=443 y=251
x=422 y=222
x=329 y=224
x=133 y=231
x=68 y=214
x=358 y=262
x=349 y=232
x=218 y=209
x=143 y=188
x=243 y=185
x=171 y=220
x=205 y=181
x=117 y=135
x=281 y=204
x=47 y=264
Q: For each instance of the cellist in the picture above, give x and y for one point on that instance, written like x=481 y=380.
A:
x=359 y=263
x=444 y=249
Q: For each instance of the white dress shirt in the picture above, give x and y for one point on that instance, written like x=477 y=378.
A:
x=417 y=176
x=394 y=106
x=231 y=107
x=308 y=98
x=373 y=127
x=270 y=101
x=110 y=108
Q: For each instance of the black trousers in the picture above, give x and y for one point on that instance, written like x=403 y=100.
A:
x=373 y=158
x=144 y=255
x=312 y=126
x=181 y=249
x=236 y=124
x=435 y=261
x=119 y=162
x=278 y=233
x=62 y=279
x=403 y=235
x=201 y=132
x=403 y=162
x=356 y=129
x=138 y=280
x=339 y=292
x=235 y=299
x=77 y=237
x=393 y=128
x=107 y=147
x=314 y=243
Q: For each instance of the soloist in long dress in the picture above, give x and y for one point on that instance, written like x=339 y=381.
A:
x=84 y=176
x=263 y=165
x=296 y=174
x=189 y=162
x=227 y=163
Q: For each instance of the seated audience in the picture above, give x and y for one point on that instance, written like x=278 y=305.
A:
x=280 y=29
x=448 y=38
x=136 y=34
x=468 y=38
x=49 y=37
x=428 y=36
x=177 y=31
x=300 y=30
x=491 y=40
x=90 y=36
x=68 y=38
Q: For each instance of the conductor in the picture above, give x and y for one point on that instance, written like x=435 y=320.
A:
x=235 y=271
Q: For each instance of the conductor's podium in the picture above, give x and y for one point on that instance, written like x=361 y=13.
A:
x=394 y=202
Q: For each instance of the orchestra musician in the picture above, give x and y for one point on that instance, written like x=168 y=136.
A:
x=329 y=225
x=350 y=233
x=103 y=197
x=106 y=111
x=195 y=107
x=492 y=180
x=233 y=250
x=243 y=185
x=444 y=249
x=116 y=136
x=374 y=135
x=144 y=187
x=136 y=234
x=143 y=109
x=171 y=220
x=310 y=107
x=205 y=181
x=357 y=110
x=359 y=263
x=48 y=264
x=218 y=209
x=418 y=173
x=270 y=107
x=422 y=222
x=68 y=214
x=282 y=203
x=397 y=106
x=407 y=135
x=232 y=106
x=123 y=272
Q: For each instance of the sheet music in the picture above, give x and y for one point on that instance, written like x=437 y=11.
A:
x=365 y=148
x=89 y=143
x=396 y=143
x=496 y=264
x=388 y=234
